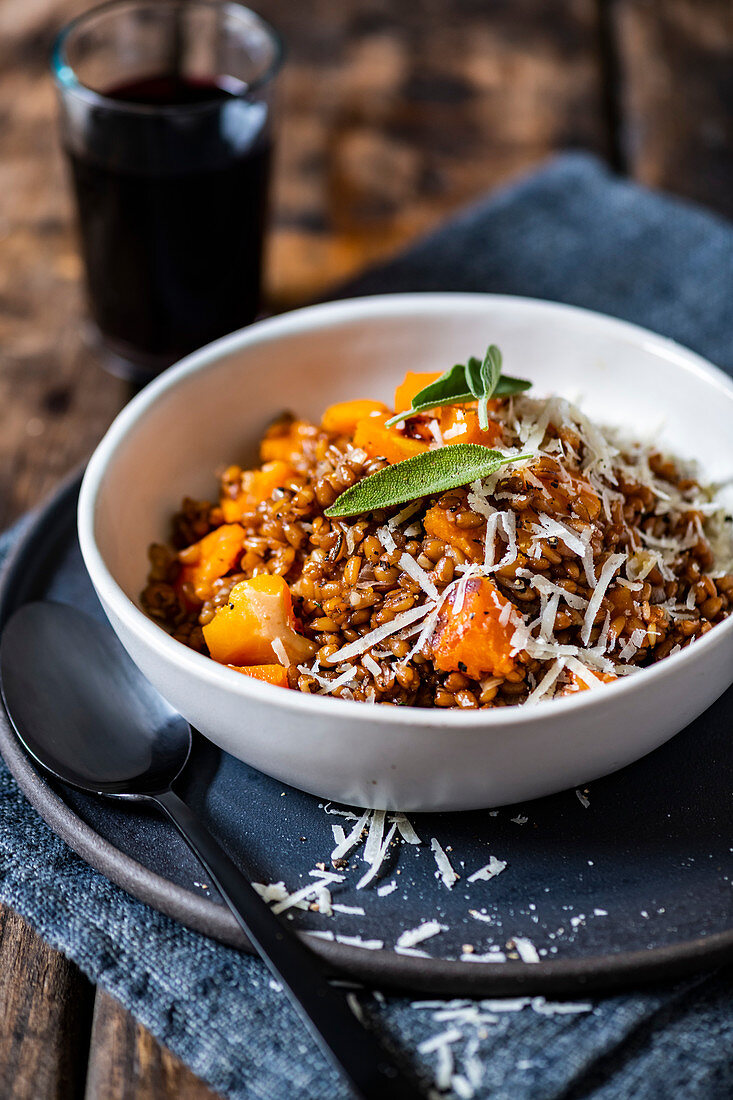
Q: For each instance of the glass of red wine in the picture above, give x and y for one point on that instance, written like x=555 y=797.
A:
x=166 y=119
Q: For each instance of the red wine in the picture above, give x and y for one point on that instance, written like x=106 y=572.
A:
x=172 y=210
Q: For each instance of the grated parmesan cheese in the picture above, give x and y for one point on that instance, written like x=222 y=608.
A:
x=506 y=524
x=558 y=1008
x=553 y=528
x=361 y=645
x=493 y=867
x=426 y=632
x=547 y=617
x=493 y=957
x=280 y=652
x=374 y=838
x=378 y=859
x=406 y=831
x=526 y=950
x=633 y=645
x=413 y=936
x=406 y=513
x=452 y=1035
x=273 y=891
x=410 y=566
x=357 y=941
x=305 y=892
x=348 y=843
x=547 y=681
x=583 y=673
x=343 y=678
x=434 y=429
x=445 y=870
x=370 y=664
x=544 y=584
x=611 y=566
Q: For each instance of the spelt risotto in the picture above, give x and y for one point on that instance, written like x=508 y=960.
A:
x=359 y=562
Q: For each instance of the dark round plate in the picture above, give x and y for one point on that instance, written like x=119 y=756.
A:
x=633 y=886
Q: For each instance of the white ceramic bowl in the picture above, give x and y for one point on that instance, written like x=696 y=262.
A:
x=211 y=409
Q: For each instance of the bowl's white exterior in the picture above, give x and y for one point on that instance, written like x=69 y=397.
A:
x=211 y=409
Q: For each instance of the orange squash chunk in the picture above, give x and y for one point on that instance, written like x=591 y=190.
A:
x=284 y=439
x=459 y=424
x=472 y=639
x=258 y=611
x=343 y=417
x=372 y=436
x=211 y=558
x=269 y=674
x=575 y=683
x=442 y=525
x=257 y=485
x=463 y=419
x=414 y=381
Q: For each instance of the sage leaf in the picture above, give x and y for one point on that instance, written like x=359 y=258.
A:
x=490 y=375
x=507 y=385
x=476 y=380
x=491 y=370
x=421 y=475
x=473 y=377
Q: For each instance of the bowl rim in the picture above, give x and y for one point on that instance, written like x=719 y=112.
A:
x=332 y=314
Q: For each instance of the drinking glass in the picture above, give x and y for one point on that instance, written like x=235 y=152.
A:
x=166 y=114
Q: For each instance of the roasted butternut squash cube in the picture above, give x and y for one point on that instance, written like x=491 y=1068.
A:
x=343 y=417
x=259 y=612
x=474 y=632
x=378 y=441
x=284 y=439
x=257 y=485
x=413 y=382
x=459 y=424
x=269 y=674
x=442 y=525
x=211 y=558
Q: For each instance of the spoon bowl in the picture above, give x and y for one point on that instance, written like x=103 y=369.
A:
x=109 y=734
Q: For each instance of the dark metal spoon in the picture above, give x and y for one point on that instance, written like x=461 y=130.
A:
x=86 y=714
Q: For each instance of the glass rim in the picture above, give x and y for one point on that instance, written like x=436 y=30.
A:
x=67 y=81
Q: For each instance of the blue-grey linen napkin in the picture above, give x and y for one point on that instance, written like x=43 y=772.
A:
x=574 y=233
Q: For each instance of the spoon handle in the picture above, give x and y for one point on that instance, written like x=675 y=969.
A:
x=370 y=1070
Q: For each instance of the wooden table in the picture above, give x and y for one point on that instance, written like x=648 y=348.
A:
x=394 y=113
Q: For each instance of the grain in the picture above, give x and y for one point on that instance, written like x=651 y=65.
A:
x=345 y=584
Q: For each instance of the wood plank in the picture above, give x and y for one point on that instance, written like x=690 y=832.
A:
x=675 y=62
x=126 y=1063
x=46 y=1013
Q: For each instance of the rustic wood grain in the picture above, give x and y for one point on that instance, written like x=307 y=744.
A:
x=45 y=1009
x=675 y=64
x=126 y=1063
